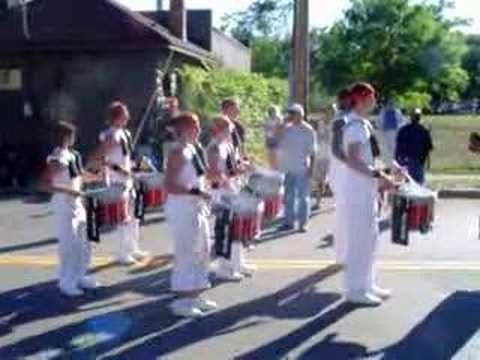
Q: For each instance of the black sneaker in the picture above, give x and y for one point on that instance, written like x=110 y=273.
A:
x=303 y=229
x=285 y=227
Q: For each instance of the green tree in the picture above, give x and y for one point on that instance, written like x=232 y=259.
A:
x=398 y=45
x=263 y=18
x=471 y=63
x=270 y=56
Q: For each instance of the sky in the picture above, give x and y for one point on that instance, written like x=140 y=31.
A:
x=323 y=12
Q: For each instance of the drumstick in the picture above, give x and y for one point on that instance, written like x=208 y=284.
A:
x=405 y=173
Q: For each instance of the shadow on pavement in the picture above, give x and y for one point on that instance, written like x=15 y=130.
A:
x=31 y=245
x=326 y=242
x=331 y=348
x=279 y=348
x=444 y=332
x=148 y=330
x=43 y=301
x=440 y=336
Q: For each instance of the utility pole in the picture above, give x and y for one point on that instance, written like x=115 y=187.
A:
x=300 y=63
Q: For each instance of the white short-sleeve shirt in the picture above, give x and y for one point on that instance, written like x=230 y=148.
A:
x=67 y=161
x=358 y=130
x=117 y=155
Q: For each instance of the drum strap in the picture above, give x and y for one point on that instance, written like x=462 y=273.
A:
x=93 y=226
x=201 y=154
x=198 y=164
x=231 y=168
x=75 y=166
x=223 y=235
x=127 y=144
x=374 y=146
x=140 y=203
x=236 y=140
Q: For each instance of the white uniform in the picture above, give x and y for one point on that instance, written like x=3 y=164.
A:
x=337 y=183
x=120 y=154
x=360 y=221
x=74 y=249
x=187 y=217
x=236 y=264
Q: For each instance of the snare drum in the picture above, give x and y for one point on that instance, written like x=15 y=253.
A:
x=106 y=208
x=154 y=193
x=411 y=212
x=273 y=205
x=237 y=221
x=265 y=182
x=112 y=206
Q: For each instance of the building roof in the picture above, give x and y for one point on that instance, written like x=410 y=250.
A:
x=89 y=25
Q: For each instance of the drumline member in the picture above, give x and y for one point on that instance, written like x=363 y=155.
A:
x=187 y=215
x=337 y=173
x=360 y=195
x=223 y=171
x=231 y=110
x=63 y=177
x=117 y=149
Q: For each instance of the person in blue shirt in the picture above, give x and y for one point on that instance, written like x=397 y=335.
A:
x=390 y=121
x=414 y=144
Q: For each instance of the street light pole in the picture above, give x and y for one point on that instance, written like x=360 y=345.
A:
x=299 y=86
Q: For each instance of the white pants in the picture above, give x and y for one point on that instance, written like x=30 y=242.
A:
x=74 y=250
x=128 y=234
x=335 y=177
x=340 y=236
x=188 y=221
x=362 y=238
x=389 y=146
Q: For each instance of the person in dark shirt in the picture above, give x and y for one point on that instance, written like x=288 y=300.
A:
x=414 y=144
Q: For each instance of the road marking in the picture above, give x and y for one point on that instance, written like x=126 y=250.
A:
x=262 y=264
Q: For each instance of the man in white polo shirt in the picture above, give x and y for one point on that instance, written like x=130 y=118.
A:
x=296 y=151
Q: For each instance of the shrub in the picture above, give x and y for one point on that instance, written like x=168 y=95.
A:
x=203 y=90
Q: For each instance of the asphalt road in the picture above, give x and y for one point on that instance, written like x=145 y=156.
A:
x=291 y=309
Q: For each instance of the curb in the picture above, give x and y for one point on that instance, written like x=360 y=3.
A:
x=466 y=193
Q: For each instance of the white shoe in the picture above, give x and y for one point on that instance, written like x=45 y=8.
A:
x=71 y=291
x=380 y=292
x=363 y=298
x=186 y=308
x=140 y=254
x=205 y=305
x=248 y=269
x=225 y=271
x=126 y=260
x=229 y=276
x=89 y=283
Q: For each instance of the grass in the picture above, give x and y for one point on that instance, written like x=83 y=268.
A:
x=450 y=136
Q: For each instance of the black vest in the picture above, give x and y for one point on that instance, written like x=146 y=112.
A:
x=127 y=144
x=198 y=160
x=75 y=166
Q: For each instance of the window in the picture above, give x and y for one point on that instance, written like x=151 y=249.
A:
x=10 y=79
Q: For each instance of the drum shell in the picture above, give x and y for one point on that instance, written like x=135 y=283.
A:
x=411 y=213
x=266 y=183
x=420 y=213
x=273 y=205
x=154 y=193
x=112 y=207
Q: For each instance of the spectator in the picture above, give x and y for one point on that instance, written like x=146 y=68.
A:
x=297 y=148
x=414 y=144
x=271 y=125
x=390 y=120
